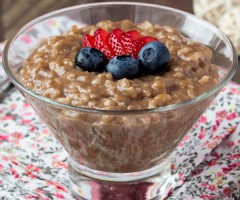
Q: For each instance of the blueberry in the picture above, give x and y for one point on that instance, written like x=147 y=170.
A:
x=154 y=58
x=123 y=67
x=90 y=59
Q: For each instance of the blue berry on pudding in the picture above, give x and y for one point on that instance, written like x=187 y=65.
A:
x=154 y=58
x=123 y=67
x=123 y=54
x=91 y=59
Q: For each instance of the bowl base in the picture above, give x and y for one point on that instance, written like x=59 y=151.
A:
x=88 y=188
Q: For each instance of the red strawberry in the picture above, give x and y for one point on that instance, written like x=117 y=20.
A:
x=134 y=35
x=100 y=38
x=148 y=39
x=88 y=41
x=115 y=42
x=101 y=42
x=139 y=43
x=128 y=39
x=127 y=43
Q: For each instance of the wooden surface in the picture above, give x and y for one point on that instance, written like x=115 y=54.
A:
x=15 y=13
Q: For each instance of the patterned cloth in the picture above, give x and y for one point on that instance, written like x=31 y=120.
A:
x=206 y=163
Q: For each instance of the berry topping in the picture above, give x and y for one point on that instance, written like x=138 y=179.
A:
x=134 y=35
x=139 y=43
x=127 y=43
x=148 y=39
x=129 y=53
x=90 y=59
x=128 y=40
x=154 y=58
x=117 y=42
x=123 y=67
x=88 y=41
x=101 y=42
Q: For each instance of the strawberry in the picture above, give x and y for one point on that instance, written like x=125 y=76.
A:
x=148 y=39
x=134 y=35
x=127 y=43
x=140 y=42
x=88 y=41
x=115 y=42
x=128 y=39
x=101 y=42
x=100 y=38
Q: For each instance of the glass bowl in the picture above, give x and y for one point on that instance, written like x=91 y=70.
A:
x=110 y=150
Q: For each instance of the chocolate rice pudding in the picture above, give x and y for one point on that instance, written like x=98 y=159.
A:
x=51 y=72
x=119 y=143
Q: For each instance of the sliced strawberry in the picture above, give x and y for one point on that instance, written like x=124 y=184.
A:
x=117 y=33
x=101 y=42
x=100 y=38
x=139 y=43
x=128 y=39
x=148 y=39
x=127 y=43
x=134 y=35
x=115 y=42
x=88 y=41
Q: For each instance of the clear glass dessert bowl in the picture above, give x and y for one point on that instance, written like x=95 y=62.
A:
x=115 y=151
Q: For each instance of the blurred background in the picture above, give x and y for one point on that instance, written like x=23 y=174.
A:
x=15 y=13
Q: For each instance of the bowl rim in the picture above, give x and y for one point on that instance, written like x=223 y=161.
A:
x=54 y=103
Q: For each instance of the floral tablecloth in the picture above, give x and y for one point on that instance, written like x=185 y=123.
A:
x=206 y=164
